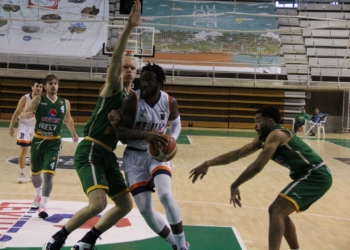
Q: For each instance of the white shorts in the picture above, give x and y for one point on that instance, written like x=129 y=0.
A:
x=25 y=134
x=140 y=169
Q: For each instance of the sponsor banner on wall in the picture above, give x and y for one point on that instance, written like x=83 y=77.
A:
x=73 y=28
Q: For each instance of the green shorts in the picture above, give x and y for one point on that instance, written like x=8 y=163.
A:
x=307 y=189
x=98 y=168
x=44 y=155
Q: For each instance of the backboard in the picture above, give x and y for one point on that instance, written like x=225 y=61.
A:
x=141 y=40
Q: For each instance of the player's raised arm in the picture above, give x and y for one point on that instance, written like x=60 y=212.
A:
x=114 y=81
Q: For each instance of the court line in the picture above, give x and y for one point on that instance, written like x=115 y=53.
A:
x=197 y=202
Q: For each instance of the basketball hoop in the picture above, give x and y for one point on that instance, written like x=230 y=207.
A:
x=129 y=53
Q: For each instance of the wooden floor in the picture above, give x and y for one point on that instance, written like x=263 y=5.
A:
x=326 y=225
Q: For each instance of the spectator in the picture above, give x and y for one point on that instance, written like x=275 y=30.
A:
x=300 y=119
x=315 y=119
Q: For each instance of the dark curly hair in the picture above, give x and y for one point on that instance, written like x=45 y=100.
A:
x=271 y=112
x=155 y=68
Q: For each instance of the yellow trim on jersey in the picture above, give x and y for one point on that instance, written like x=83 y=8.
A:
x=96 y=187
x=88 y=138
x=125 y=191
x=36 y=173
x=49 y=171
x=297 y=208
x=47 y=137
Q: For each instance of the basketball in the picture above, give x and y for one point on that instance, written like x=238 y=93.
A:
x=164 y=153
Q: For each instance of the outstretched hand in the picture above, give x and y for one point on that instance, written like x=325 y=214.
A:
x=135 y=18
x=235 y=197
x=114 y=118
x=199 y=171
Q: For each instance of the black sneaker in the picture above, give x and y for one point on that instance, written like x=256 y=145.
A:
x=53 y=244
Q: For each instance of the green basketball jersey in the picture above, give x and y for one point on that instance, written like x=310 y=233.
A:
x=50 y=116
x=98 y=126
x=295 y=155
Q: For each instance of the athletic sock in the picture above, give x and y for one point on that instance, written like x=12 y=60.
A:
x=180 y=240
x=44 y=200
x=91 y=236
x=22 y=171
x=38 y=192
x=62 y=234
x=170 y=238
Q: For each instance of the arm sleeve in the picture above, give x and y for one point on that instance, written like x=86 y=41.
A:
x=175 y=128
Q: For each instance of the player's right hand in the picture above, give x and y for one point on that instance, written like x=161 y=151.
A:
x=26 y=115
x=135 y=15
x=12 y=132
x=199 y=171
x=155 y=138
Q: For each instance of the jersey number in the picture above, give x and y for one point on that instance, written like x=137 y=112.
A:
x=52 y=165
x=62 y=109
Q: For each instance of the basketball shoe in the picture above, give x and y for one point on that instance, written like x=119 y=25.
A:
x=187 y=245
x=36 y=203
x=21 y=178
x=42 y=212
x=82 y=246
x=53 y=244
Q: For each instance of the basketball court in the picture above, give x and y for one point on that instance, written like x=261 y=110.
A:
x=210 y=221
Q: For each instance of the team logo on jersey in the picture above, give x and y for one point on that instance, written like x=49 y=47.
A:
x=52 y=113
x=162 y=116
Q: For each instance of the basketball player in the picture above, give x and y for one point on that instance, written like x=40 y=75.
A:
x=25 y=130
x=147 y=112
x=50 y=112
x=94 y=160
x=311 y=178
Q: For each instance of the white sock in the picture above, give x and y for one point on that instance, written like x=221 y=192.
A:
x=170 y=238
x=22 y=171
x=180 y=240
x=44 y=200
x=38 y=192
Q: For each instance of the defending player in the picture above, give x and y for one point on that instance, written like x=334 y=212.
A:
x=311 y=177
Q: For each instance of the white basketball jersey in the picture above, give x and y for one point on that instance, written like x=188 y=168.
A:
x=150 y=118
x=31 y=121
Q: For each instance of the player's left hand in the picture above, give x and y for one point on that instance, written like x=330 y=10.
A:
x=235 y=197
x=114 y=117
x=75 y=137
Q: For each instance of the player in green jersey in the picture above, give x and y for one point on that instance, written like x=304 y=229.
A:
x=311 y=178
x=50 y=112
x=94 y=160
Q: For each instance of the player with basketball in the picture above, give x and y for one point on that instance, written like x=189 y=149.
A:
x=144 y=117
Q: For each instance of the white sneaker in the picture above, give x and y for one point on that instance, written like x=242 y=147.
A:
x=36 y=203
x=30 y=178
x=82 y=246
x=21 y=178
x=187 y=245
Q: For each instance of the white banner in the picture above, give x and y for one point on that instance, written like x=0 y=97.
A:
x=73 y=28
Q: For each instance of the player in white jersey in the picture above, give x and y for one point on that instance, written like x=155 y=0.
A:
x=25 y=130
x=144 y=117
